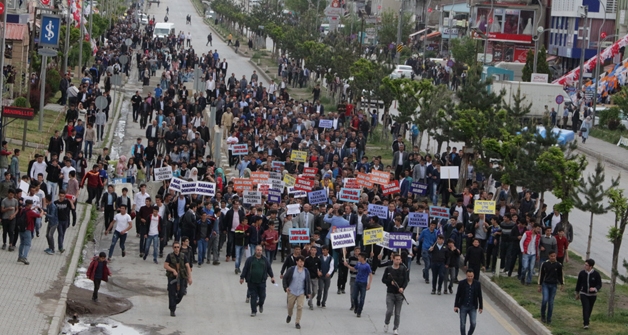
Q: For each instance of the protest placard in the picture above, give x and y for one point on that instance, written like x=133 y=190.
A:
x=380 y=177
x=391 y=188
x=342 y=239
x=205 y=188
x=386 y=241
x=188 y=188
x=274 y=196
x=364 y=180
x=260 y=177
x=299 y=156
x=418 y=220
x=277 y=184
x=378 y=210
x=252 y=197
x=240 y=149
x=293 y=209
x=439 y=212
x=373 y=236
x=24 y=186
x=418 y=188
x=296 y=193
x=241 y=184
x=277 y=167
x=263 y=188
x=484 y=207
x=317 y=197
x=351 y=183
x=163 y=173
x=274 y=175
x=449 y=172
x=304 y=184
x=349 y=195
x=400 y=240
x=325 y=123
x=310 y=172
x=289 y=180
x=299 y=235
x=175 y=184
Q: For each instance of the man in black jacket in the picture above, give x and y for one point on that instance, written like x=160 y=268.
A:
x=550 y=276
x=588 y=285
x=229 y=227
x=468 y=302
x=396 y=279
x=438 y=253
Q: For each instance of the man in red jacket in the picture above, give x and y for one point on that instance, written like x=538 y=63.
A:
x=529 y=245
x=98 y=271
x=26 y=236
x=94 y=183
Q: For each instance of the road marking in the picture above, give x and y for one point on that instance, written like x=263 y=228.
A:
x=507 y=326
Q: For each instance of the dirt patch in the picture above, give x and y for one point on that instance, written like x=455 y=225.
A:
x=80 y=303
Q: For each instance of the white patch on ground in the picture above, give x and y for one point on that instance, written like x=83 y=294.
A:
x=101 y=327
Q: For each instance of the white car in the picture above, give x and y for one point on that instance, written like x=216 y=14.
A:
x=402 y=71
x=143 y=18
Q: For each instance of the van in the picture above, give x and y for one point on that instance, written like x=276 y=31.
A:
x=163 y=29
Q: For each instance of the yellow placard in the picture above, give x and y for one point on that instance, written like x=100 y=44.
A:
x=373 y=236
x=484 y=207
x=289 y=180
x=299 y=156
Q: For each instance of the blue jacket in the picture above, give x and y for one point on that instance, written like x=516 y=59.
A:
x=428 y=238
x=337 y=221
x=52 y=214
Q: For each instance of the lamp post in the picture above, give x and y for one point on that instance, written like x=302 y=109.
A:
x=598 y=63
x=427 y=13
x=583 y=11
x=540 y=30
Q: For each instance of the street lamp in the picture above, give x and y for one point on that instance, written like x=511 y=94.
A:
x=598 y=63
x=583 y=12
x=540 y=30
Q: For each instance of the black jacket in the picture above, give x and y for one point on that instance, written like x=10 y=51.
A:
x=246 y=270
x=476 y=296
x=475 y=256
x=439 y=255
x=228 y=221
x=400 y=276
x=551 y=273
x=588 y=280
x=288 y=263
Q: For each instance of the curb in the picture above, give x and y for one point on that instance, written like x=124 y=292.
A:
x=513 y=306
x=59 y=316
x=604 y=158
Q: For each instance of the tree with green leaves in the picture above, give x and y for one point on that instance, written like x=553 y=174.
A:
x=367 y=76
x=541 y=64
x=594 y=194
x=388 y=28
x=619 y=205
x=408 y=94
x=566 y=168
x=464 y=51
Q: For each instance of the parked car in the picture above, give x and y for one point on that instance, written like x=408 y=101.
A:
x=402 y=71
x=209 y=14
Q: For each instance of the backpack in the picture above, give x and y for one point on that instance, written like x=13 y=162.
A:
x=21 y=220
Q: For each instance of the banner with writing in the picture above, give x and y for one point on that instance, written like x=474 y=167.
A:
x=176 y=183
x=484 y=207
x=241 y=184
x=325 y=123
x=391 y=188
x=240 y=149
x=206 y=188
x=296 y=193
x=364 y=180
x=418 y=188
x=380 y=211
x=418 y=219
x=380 y=177
x=317 y=197
x=304 y=184
x=373 y=236
x=274 y=196
x=299 y=235
x=299 y=156
x=310 y=172
x=439 y=212
x=400 y=240
x=349 y=195
x=163 y=173
x=289 y=180
x=342 y=240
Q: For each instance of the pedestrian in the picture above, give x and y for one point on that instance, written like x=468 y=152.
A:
x=562 y=245
x=550 y=275
x=52 y=217
x=10 y=209
x=588 y=285
x=214 y=239
x=153 y=233
x=324 y=281
x=313 y=265
x=123 y=223
x=438 y=254
x=547 y=245
x=236 y=45
x=270 y=238
x=475 y=258
x=255 y=271
x=428 y=239
x=97 y=272
x=209 y=40
x=296 y=283
x=363 y=280
x=396 y=279
x=179 y=275
x=453 y=259
x=529 y=245
x=241 y=242
x=468 y=302
x=26 y=225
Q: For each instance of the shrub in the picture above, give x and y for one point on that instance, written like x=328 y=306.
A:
x=610 y=117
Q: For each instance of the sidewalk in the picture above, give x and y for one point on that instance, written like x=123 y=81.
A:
x=605 y=151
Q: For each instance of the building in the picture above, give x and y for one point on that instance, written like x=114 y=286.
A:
x=454 y=21
x=16 y=52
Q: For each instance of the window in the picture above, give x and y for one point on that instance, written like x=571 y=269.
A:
x=504 y=21
x=8 y=50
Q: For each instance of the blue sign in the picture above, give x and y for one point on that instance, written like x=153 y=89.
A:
x=317 y=197
x=274 y=196
x=559 y=99
x=400 y=240
x=50 y=31
x=418 y=220
x=418 y=188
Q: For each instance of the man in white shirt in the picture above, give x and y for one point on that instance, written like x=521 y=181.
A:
x=39 y=166
x=123 y=224
x=231 y=140
x=66 y=173
x=154 y=229
x=138 y=200
x=37 y=201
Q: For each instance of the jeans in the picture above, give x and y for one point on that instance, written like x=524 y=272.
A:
x=472 y=313
x=61 y=228
x=323 y=288
x=202 y=250
x=358 y=295
x=435 y=194
x=239 y=254
x=154 y=240
x=89 y=146
x=527 y=266
x=450 y=277
x=25 y=243
x=100 y=129
x=393 y=301
x=52 y=188
x=213 y=247
x=427 y=260
x=257 y=291
x=438 y=273
x=549 y=292
x=587 y=306
x=37 y=225
x=270 y=254
x=313 y=289
x=117 y=236
x=50 y=234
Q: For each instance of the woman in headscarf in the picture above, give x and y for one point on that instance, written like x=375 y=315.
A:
x=586 y=128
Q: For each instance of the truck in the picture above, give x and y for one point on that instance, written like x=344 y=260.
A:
x=537 y=94
x=163 y=29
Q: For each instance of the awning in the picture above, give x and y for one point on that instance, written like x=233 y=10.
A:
x=418 y=32
x=16 y=31
x=551 y=58
x=457 y=8
x=431 y=35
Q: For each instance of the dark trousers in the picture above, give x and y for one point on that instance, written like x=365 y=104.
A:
x=491 y=255
x=343 y=273
x=285 y=247
x=587 y=307
x=438 y=273
x=231 y=244
x=96 y=288
x=50 y=233
x=8 y=229
x=323 y=288
x=109 y=213
x=92 y=193
x=257 y=292
x=175 y=296
x=143 y=230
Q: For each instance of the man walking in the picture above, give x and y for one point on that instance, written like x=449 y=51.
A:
x=313 y=265
x=26 y=226
x=550 y=276
x=468 y=302
x=438 y=254
x=396 y=279
x=529 y=245
x=179 y=276
x=124 y=223
x=296 y=282
x=428 y=239
x=588 y=285
x=256 y=270
x=363 y=281
x=209 y=40
x=327 y=269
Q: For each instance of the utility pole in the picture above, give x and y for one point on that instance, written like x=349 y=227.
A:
x=2 y=48
x=91 y=11
x=398 y=54
x=68 y=29
x=81 y=40
x=584 y=14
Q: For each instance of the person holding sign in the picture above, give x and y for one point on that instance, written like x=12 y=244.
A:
x=363 y=281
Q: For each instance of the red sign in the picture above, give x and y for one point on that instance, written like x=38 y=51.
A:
x=516 y=38
x=45 y=2
x=18 y=112
x=391 y=188
x=364 y=180
x=303 y=184
x=1 y=8
x=352 y=183
x=242 y=184
x=310 y=172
